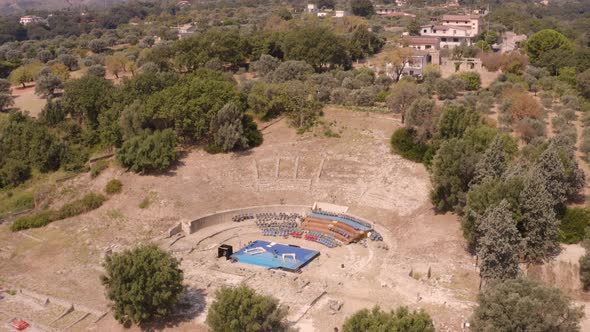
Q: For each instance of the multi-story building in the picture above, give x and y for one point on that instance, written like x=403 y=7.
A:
x=450 y=35
x=471 y=22
x=25 y=20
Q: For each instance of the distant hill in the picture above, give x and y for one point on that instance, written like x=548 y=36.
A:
x=17 y=6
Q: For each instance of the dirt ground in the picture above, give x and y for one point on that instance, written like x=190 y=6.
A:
x=63 y=259
x=27 y=100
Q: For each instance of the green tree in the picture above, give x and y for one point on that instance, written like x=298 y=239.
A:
x=189 y=106
x=494 y=161
x=402 y=95
x=228 y=132
x=47 y=83
x=471 y=81
x=490 y=192
x=25 y=74
x=241 y=309
x=498 y=247
x=522 y=305
x=445 y=89
x=317 y=45
x=364 y=42
x=85 y=98
x=454 y=121
x=540 y=227
x=6 y=100
x=550 y=166
x=13 y=173
x=377 y=320
x=290 y=70
x=453 y=168
x=420 y=115
x=413 y=28
x=544 y=41
x=97 y=45
x=362 y=8
x=149 y=152
x=265 y=65
x=144 y=283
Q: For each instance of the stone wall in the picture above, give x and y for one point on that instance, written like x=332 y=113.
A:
x=226 y=215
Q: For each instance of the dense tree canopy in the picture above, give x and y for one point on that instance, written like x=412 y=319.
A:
x=376 y=320
x=521 y=305
x=144 y=283
x=241 y=309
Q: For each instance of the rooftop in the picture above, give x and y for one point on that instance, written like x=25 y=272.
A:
x=459 y=17
x=421 y=40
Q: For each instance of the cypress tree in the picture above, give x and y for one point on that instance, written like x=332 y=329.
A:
x=539 y=226
x=498 y=247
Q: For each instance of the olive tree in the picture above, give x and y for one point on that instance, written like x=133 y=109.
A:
x=144 y=283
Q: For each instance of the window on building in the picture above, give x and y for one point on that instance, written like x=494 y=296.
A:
x=456 y=40
x=428 y=46
x=424 y=30
x=443 y=39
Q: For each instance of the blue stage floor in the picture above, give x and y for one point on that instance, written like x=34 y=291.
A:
x=271 y=255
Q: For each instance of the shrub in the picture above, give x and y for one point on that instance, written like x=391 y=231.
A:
x=404 y=143
x=113 y=187
x=34 y=221
x=145 y=203
x=573 y=225
x=89 y=202
x=471 y=81
x=445 y=89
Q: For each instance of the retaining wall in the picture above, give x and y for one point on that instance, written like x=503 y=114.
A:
x=226 y=215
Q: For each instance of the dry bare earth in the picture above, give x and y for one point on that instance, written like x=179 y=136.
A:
x=357 y=170
x=27 y=101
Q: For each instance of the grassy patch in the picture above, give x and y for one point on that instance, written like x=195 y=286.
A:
x=114 y=187
x=87 y=203
x=145 y=203
x=115 y=214
x=573 y=225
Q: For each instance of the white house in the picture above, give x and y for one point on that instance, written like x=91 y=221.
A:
x=422 y=43
x=339 y=13
x=25 y=20
x=312 y=8
x=471 y=22
x=450 y=35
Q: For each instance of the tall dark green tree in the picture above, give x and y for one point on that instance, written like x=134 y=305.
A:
x=499 y=244
x=539 y=225
x=493 y=163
